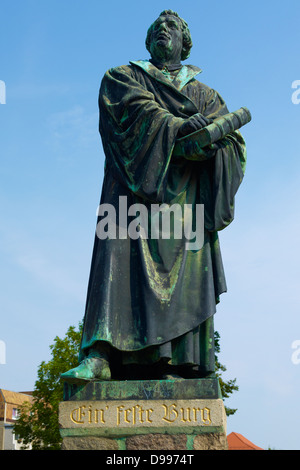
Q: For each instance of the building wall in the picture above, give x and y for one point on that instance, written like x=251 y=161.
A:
x=10 y=441
x=2 y=434
x=9 y=404
x=8 y=438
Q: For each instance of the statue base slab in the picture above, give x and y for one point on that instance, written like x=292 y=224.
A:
x=185 y=414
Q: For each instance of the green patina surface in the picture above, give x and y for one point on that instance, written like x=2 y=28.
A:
x=147 y=293
x=144 y=389
x=152 y=296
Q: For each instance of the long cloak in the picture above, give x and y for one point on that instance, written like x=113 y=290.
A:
x=149 y=298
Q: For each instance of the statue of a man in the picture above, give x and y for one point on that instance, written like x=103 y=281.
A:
x=150 y=301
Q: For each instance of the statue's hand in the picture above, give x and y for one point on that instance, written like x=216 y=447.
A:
x=193 y=124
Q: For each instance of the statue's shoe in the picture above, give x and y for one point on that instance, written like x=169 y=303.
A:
x=91 y=368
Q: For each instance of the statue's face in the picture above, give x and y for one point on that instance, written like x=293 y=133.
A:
x=166 y=39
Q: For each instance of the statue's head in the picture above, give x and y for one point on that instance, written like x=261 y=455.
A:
x=169 y=35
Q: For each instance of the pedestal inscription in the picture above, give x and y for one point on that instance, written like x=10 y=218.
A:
x=184 y=414
x=117 y=414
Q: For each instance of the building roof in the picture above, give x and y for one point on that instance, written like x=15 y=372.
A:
x=238 y=442
x=15 y=398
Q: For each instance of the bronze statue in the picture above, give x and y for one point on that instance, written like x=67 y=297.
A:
x=151 y=301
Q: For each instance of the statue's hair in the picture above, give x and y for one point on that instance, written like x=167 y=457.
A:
x=186 y=35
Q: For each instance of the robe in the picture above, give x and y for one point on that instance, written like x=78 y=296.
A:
x=152 y=298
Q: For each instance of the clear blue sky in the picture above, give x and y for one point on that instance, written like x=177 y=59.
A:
x=52 y=58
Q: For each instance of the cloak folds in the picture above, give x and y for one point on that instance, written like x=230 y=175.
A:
x=152 y=298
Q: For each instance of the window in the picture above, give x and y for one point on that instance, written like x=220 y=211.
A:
x=15 y=413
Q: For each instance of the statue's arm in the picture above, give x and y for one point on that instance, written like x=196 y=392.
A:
x=137 y=133
x=211 y=137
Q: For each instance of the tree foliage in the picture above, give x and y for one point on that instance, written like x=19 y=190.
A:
x=38 y=422
x=227 y=388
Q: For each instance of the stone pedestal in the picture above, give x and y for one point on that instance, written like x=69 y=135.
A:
x=144 y=415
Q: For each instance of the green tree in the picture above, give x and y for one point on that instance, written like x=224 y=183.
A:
x=38 y=422
x=227 y=388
